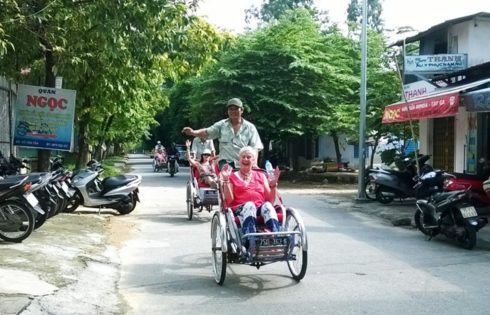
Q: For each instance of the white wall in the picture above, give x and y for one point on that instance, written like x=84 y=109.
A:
x=326 y=148
x=460 y=136
x=479 y=41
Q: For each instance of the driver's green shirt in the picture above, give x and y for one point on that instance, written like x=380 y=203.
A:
x=230 y=142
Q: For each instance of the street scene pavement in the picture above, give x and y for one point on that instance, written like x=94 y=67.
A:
x=78 y=263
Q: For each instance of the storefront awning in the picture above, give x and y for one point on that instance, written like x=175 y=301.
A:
x=440 y=104
x=477 y=101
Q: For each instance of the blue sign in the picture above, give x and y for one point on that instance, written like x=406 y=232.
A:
x=44 y=117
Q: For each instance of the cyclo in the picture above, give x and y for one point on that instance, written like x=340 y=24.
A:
x=290 y=244
x=199 y=194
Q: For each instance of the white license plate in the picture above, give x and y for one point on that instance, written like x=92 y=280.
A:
x=273 y=241
x=64 y=186
x=468 y=212
x=31 y=199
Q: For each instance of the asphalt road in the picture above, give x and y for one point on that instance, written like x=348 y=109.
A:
x=155 y=261
x=358 y=264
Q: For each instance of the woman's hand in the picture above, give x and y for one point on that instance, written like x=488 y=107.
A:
x=225 y=172
x=274 y=178
x=188 y=143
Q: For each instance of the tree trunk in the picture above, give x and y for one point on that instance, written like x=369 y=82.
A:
x=338 y=155
x=84 y=153
x=49 y=81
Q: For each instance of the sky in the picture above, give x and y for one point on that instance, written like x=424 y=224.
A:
x=420 y=14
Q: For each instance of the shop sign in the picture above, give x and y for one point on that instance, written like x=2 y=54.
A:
x=478 y=101
x=431 y=107
x=436 y=63
x=44 y=117
x=418 y=89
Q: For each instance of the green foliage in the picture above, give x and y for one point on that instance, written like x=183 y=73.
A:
x=285 y=75
x=374 y=21
x=117 y=55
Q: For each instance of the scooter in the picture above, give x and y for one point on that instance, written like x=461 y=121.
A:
x=115 y=192
x=17 y=209
x=172 y=166
x=449 y=213
x=399 y=184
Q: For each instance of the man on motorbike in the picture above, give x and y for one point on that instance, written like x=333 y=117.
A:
x=172 y=151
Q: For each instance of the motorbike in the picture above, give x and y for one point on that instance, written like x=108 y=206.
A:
x=448 y=213
x=172 y=166
x=115 y=192
x=17 y=208
x=369 y=184
x=391 y=184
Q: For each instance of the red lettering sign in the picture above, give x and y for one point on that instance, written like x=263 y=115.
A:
x=51 y=102
x=430 y=107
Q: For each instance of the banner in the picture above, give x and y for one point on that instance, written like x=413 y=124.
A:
x=44 y=117
x=430 y=107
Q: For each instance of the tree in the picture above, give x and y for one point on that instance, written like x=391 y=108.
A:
x=374 y=21
x=285 y=75
x=117 y=55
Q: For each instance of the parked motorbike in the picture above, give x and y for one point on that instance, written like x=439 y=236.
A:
x=115 y=192
x=369 y=184
x=16 y=209
x=172 y=166
x=399 y=184
x=477 y=194
x=449 y=213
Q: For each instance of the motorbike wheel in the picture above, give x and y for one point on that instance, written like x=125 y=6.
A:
x=190 y=202
x=40 y=219
x=382 y=197
x=16 y=221
x=73 y=203
x=468 y=239
x=124 y=211
x=419 y=223
x=370 y=190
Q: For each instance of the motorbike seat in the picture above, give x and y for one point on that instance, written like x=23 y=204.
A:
x=446 y=195
x=7 y=182
x=116 y=181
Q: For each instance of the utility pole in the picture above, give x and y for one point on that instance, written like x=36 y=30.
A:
x=361 y=193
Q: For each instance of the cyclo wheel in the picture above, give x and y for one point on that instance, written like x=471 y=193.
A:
x=297 y=266
x=190 y=201
x=218 y=256
x=16 y=221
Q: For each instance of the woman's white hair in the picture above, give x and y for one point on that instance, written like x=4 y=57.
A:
x=248 y=149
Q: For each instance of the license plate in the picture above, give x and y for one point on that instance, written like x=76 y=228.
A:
x=274 y=241
x=64 y=186
x=31 y=199
x=468 y=212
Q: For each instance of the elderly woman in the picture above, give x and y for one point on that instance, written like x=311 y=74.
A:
x=249 y=192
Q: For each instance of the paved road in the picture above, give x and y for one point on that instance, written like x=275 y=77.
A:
x=359 y=263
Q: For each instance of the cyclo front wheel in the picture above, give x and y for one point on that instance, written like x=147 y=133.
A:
x=297 y=265
x=218 y=256
x=190 y=201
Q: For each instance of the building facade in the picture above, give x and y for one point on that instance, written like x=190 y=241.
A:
x=454 y=116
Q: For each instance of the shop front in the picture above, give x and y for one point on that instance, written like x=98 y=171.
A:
x=451 y=130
